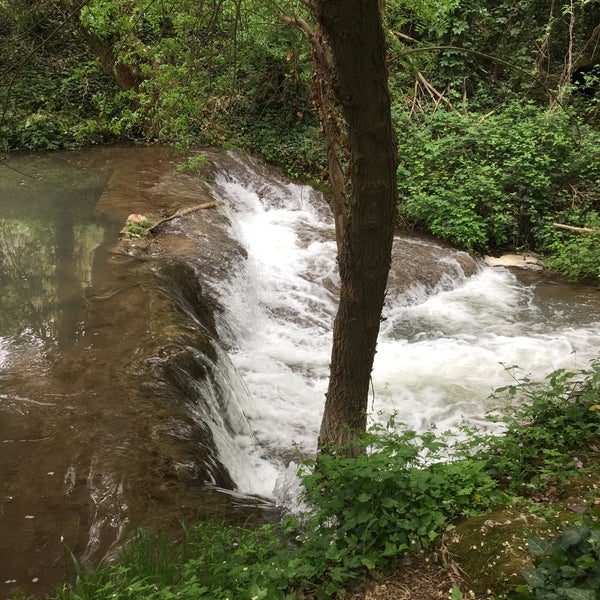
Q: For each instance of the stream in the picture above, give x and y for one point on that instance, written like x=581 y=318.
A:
x=178 y=376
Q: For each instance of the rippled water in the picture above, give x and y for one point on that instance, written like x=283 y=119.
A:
x=451 y=325
x=97 y=429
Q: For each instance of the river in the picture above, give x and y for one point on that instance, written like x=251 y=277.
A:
x=178 y=376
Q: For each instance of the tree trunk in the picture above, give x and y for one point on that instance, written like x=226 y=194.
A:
x=127 y=77
x=353 y=31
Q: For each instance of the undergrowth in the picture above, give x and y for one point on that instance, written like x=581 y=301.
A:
x=366 y=513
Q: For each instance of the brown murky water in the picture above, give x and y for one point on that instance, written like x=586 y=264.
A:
x=94 y=434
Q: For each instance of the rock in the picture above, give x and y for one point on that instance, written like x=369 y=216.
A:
x=137 y=218
x=526 y=260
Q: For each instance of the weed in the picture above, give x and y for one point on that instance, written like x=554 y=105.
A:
x=134 y=230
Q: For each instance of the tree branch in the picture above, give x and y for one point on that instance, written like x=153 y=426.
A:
x=182 y=212
x=578 y=229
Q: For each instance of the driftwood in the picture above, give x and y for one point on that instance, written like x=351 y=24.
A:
x=184 y=211
x=578 y=229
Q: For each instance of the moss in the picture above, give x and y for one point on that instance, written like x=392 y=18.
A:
x=492 y=549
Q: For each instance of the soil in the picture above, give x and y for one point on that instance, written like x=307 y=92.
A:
x=424 y=579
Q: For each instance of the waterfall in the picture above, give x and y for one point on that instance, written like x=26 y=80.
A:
x=452 y=325
x=184 y=370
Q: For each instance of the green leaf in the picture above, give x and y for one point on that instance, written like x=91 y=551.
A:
x=578 y=593
x=538 y=546
x=367 y=562
x=257 y=592
x=388 y=502
x=391 y=549
x=585 y=561
x=456 y=594
x=533 y=578
x=572 y=536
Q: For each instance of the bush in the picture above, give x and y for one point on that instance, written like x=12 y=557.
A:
x=393 y=499
x=568 y=566
x=492 y=182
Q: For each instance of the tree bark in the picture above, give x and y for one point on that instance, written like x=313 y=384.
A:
x=352 y=29
x=127 y=77
x=328 y=109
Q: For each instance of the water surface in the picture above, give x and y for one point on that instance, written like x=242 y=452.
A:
x=93 y=438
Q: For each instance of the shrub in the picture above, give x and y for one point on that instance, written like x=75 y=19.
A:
x=493 y=181
x=575 y=254
x=546 y=427
x=568 y=566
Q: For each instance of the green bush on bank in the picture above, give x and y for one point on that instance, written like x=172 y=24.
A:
x=486 y=169
x=498 y=180
x=567 y=566
x=368 y=512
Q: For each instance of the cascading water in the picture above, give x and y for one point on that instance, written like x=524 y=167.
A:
x=449 y=331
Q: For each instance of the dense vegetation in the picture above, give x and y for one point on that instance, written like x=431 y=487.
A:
x=497 y=108
x=497 y=105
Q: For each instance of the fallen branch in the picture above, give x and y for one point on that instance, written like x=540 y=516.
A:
x=436 y=95
x=182 y=212
x=573 y=228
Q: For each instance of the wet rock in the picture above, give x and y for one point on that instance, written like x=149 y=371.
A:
x=431 y=266
x=527 y=260
x=491 y=549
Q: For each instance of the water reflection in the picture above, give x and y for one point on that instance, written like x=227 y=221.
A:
x=95 y=433
x=48 y=238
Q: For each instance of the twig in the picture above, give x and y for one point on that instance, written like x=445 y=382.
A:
x=182 y=212
x=436 y=96
x=578 y=229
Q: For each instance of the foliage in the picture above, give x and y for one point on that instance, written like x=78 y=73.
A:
x=576 y=255
x=136 y=230
x=487 y=53
x=209 y=73
x=230 y=74
x=393 y=498
x=47 y=78
x=493 y=181
x=197 y=163
x=568 y=566
x=212 y=74
x=212 y=561
x=544 y=424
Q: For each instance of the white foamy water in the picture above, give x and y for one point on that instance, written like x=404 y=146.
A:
x=3 y=351
x=438 y=361
x=439 y=355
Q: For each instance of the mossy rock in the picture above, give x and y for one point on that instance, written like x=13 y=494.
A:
x=491 y=549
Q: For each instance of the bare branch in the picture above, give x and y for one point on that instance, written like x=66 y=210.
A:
x=578 y=229
x=299 y=23
x=183 y=212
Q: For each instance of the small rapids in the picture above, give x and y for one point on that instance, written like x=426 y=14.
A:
x=452 y=324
